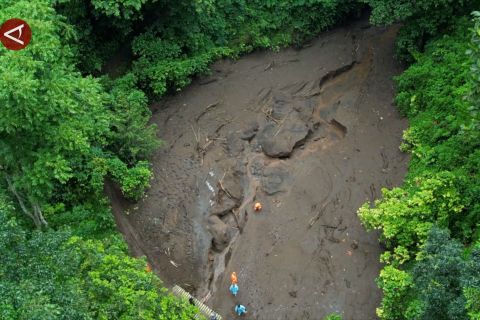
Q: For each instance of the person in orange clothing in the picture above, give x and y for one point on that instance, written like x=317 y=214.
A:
x=233 y=278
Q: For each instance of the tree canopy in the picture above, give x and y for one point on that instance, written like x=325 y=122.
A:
x=430 y=225
x=66 y=126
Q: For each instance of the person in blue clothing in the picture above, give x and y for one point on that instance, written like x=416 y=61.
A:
x=234 y=289
x=240 y=309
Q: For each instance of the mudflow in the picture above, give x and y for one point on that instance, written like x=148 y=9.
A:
x=311 y=133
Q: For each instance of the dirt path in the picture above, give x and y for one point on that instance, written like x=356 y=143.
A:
x=309 y=133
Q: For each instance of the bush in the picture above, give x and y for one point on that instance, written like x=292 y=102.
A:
x=54 y=275
x=133 y=181
x=187 y=36
x=395 y=284
x=422 y=20
x=333 y=316
x=406 y=216
x=427 y=271
x=131 y=138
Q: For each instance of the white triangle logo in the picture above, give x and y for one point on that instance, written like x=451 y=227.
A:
x=19 y=29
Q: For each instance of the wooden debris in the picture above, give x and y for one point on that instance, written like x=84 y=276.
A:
x=220 y=185
x=207 y=108
x=317 y=216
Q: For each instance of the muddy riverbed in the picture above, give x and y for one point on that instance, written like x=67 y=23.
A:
x=310 y=133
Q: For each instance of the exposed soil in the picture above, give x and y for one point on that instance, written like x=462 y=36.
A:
x=311 y=134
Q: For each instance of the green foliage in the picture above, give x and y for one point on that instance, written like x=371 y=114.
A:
x=437 y=278
x=333 y=316
x=61 y=131
x=473 y=302
x=471 y=283
x=442 y=183
x=429 y=275
x=118 y=286
x=101 y=28
x=52 y=275
x=131 y=137
x=133 y=181
x=439 y=78
x=442 y=284
x=405 y=217
x=433 y=93
x=125 y=9
x=422 y=20
x=394 y=283
x=62 y=134
x=179 y=39
x=474 y=53
x=188 y=35
x=175 y=40
x=52 y=119
x=88 y=220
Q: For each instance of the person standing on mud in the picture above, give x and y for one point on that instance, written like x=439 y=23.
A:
x=233 y=277
x=240 y=309
x=234 y=289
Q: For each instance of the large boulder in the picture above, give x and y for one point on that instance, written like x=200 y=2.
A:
x=279 y=140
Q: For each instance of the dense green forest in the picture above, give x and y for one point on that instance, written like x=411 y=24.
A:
x=431 y=225
x=66 y=127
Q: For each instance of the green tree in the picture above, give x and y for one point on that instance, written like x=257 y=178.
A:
x=52 y=275
x=51 y=117
x=474 y=54
x=126 y=9
x=333 y=316
x=428 y=274
x=61 y=132
x=470 y=281
x=186 y=36
x=422 y=20
x=131 y=137
x=405 y=217
x=395 y=285
x=437 y=278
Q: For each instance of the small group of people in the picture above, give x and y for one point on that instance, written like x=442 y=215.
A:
x=240 y=309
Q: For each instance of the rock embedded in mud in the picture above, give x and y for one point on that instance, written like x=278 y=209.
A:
x=220 y=233
x=274 y=178
x=281 y=106
x=278 y=141
x=233 y=186
x=235 y=146
x=305 y=110
x=249 y=131
x=223 y=207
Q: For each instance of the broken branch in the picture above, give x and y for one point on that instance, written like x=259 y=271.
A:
x=207 y=108
x=317 y=216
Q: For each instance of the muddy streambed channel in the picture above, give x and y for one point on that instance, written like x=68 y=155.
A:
x=310 y=133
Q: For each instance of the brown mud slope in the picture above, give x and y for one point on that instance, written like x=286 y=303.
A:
x=311 y=134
